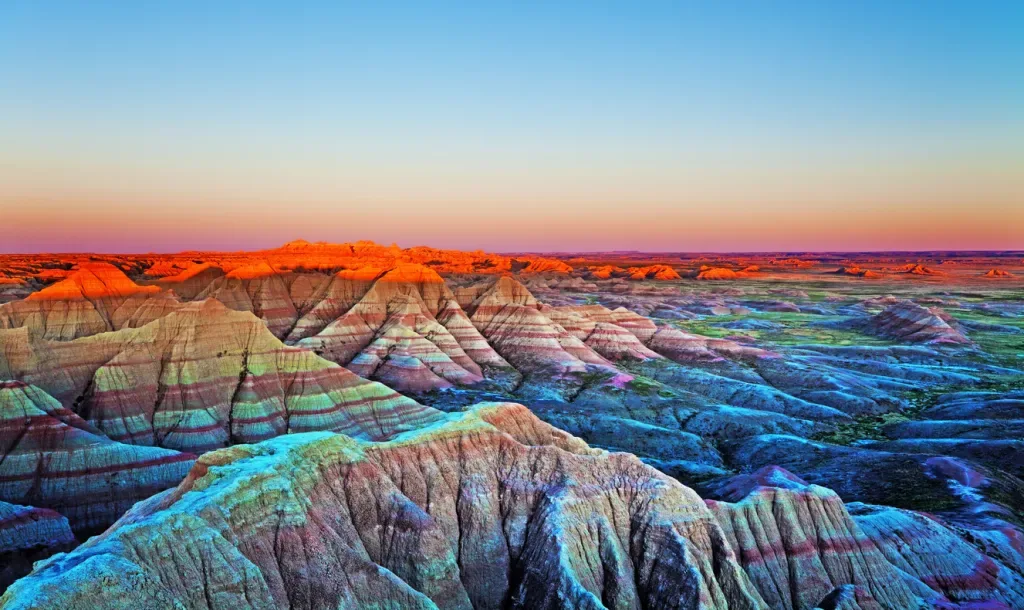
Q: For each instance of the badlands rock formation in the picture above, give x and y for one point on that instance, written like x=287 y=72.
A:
x=800 y=546
x=53 y=459
x=511 y=320
x=909 y=322
x=603 y=330
x=406 y=329
x=190 y=282
x=26 y=527
x=122 y=369
x=605 y=272
x=489 y=509
x=204 y=377
x=716 y=273
x=28 y=534
x=932 y=558
x=96 y=298
x=918 y=269
x=303 y=255
x=653 y=272
x=858 y=272
x=547 y=266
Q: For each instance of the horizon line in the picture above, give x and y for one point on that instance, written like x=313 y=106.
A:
x=1015 y=251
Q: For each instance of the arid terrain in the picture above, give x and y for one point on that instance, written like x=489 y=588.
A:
x=364 y=426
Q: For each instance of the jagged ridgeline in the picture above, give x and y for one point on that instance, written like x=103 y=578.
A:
x=358 y=426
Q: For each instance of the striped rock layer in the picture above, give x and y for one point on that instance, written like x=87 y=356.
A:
x=537 y=338
x=408 y=331
x=258 y=289
x=49 y=457
x=192 y=281
x=489 y=509
x=803 y=548
x=401 y=325
x=512 y=320
x=204 y=377
x=26 y=527
x=800 y=546
x=598 y=328
x=909 y=322
x=96 y=298
x=933 y=559
x=28 y=534
x=292 y=304
x=620 y=333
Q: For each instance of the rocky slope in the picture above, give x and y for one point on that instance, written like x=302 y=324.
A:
x=51 y=458
x=407 y=329
x=800 y=546
x=511 y=320
x=488 y=509
x=96 y=298
x=491 y=508
x=28 y=534
x=933 y=558
x=203 y=377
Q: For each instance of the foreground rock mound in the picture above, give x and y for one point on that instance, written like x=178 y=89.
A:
x=491 y=509
x=932 y=558
x=800 y=546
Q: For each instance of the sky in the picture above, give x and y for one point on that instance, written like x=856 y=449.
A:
x=552 y=126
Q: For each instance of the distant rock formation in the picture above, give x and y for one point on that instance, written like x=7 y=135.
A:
x=598 y=327
x=407 y=329
x=717 y=273
x=511 y=320
x=909 y=322
x=857 y=272
x=606 y=272
x=190 y=282
x=998 y=273
x=791 y=262
x=918 y=269
x=547 y=266
x=653 y=272
x=96 y=298
x=724 y=273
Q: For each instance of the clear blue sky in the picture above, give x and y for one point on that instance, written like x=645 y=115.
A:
x=558 y=125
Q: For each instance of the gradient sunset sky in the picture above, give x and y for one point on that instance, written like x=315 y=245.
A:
x=718 y=126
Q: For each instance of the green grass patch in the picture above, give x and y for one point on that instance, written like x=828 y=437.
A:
x=871 y=427
x=863 y=428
